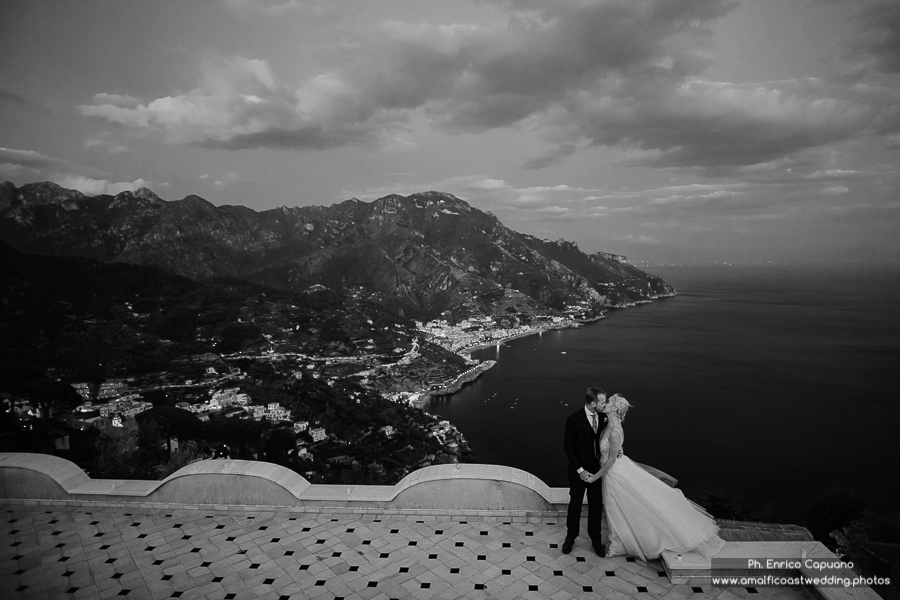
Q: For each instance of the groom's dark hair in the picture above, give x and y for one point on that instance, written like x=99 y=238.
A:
x=593 y=394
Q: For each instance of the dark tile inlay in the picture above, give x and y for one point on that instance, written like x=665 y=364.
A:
x=697 y=590
x=507 y=545
x=580 y=559
x=532 y=588
x=366 y=542
x=354 y=568
x=454 y=570
x=372 y=584
x=482 y=557
x=254 y=566
x=116 y=575
x=530 y=558
x=426 y=585
x=304 y=567
x=217 y=579
x=630 y=559
x=268 y=581
x=751 y=590
x=404 y=569
x=610 y=573
x=480 y=586
x=384 y=555
x=641 y=589
x=460 y=544
x=587 y=588
x=413 y=542
x=529 y=534
x=165 y=577
x=289 y=553
x=557 y=573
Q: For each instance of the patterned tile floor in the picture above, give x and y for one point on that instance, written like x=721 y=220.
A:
x=89 y=552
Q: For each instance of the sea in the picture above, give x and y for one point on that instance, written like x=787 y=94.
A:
x=767 y=385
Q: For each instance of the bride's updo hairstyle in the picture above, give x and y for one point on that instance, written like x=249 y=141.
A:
x=620 y=405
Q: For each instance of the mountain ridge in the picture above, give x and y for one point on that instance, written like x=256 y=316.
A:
x=425 y=254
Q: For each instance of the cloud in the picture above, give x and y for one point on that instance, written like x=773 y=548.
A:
x=637 y=239
x=230 y=179
x=551 y=157
x=10 y=97
x=277 y=8
x=241 y=104
x=34 y=161
x=94 y=187
x=626 y=74
x=104 y=143
x=879 y=36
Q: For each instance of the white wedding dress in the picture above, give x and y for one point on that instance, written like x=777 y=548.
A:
x=646 y=516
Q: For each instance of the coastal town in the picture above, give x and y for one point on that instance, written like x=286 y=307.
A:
x=272 y=383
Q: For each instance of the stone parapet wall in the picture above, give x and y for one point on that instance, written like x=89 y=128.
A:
x=41 y=477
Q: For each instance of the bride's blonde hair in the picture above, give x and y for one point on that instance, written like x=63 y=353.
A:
x=620 y=405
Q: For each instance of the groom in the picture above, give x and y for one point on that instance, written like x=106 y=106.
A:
x=583 y=429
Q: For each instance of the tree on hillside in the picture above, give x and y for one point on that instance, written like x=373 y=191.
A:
x=49 y=396
x=171 y=423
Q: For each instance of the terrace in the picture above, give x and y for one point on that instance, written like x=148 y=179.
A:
x=227 y=529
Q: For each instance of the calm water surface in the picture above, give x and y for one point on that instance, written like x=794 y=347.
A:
x=773 y=383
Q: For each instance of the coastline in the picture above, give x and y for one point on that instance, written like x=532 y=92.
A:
x=467 y=350
x=470 y=375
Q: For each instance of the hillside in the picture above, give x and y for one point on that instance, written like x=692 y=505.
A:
x=421 y=255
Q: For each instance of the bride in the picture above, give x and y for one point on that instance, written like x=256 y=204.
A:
x=645 y=515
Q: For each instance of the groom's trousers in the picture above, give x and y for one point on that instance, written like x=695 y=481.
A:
x=577 y=489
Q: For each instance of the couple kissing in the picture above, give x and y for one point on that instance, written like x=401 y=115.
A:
x=645 y=516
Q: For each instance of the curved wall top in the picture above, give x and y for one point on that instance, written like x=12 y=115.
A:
x=459 y=471
x=473 y=486
x=64 y=472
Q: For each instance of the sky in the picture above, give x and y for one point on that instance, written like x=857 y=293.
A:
x=663 y=130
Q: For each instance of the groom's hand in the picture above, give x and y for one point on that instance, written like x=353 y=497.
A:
x=585 y=476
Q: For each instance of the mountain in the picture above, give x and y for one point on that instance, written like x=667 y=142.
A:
x=422 y=254
x=90 y=320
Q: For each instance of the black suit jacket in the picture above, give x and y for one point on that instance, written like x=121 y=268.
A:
x=580 y=443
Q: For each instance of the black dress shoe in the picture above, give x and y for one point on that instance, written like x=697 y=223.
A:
x=600 y=550
x=567 y=546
